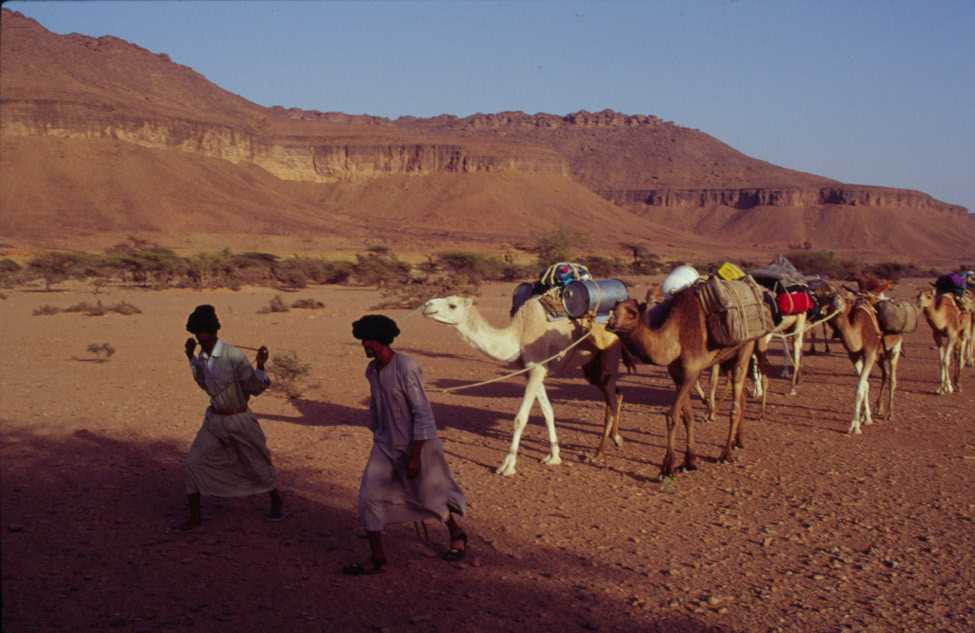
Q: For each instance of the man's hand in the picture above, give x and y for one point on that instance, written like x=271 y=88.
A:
x=190 y=347
x=414 y=465
x=262 y=356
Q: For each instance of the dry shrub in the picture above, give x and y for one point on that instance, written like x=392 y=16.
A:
x=102 y=349
x=290 y=374
x=125 y=308
x=46 y=310
x=380 y=270
x=413 y=295
x=308 y=304
x=276 y=304
x=99 y=309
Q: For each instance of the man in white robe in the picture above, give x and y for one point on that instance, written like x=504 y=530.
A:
x=407 y=478
x=229 y=457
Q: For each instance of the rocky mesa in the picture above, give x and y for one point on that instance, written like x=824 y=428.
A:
x=68 y=96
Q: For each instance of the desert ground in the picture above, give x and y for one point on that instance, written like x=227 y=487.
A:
x=810 y=530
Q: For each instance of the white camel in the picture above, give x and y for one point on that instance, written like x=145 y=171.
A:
x=529 y=338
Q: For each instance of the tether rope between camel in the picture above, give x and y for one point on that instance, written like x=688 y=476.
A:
x=807 y=328
x=520 y=371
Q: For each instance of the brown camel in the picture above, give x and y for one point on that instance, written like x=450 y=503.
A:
x=950 y=327
x=858 y=328
x=674 y=335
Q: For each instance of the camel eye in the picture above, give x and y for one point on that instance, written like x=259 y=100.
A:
x=452 y=306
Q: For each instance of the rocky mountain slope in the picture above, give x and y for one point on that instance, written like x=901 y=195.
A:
x=101 y=136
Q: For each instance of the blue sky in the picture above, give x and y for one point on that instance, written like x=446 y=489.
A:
x=878 y=92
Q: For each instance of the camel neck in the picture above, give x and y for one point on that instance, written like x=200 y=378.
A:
x=499 y=343
x=852 y=337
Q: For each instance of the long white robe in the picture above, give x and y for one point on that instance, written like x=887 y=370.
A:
x=229 y=457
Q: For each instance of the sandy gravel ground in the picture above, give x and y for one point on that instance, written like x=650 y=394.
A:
x=811 y=530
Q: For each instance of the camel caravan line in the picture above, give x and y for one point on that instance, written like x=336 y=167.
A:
x=722 y=323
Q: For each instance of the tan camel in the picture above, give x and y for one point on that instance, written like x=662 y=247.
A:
x=674 y=335
x=528 y=339
x=858 y=328
x=950 y=327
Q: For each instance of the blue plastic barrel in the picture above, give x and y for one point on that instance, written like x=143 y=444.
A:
x=597 y=297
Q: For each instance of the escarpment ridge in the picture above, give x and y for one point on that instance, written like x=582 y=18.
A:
x=78 y=112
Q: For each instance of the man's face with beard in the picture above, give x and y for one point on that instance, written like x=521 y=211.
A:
x=371 y=348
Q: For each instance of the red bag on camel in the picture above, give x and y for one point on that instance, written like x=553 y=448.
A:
x=794 y=302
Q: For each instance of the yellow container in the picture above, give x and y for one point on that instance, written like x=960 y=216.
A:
x=730 y=272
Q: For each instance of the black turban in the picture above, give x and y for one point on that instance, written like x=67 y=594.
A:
x=375 y=327
x=203 y=319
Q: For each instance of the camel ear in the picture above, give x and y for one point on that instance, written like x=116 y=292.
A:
x=933 y=284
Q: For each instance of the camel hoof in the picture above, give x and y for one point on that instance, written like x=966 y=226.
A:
x=552 y=460
x=739 y=444
x=689 y=467
x=618 y=441
x=726 y=458
x=793 y=392
x=507 y=467
x=854 y=430
x=595 y=459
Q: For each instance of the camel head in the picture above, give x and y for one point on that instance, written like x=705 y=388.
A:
x=625 y=317
x=924 y=299
x=840 y=302
x=452 y=310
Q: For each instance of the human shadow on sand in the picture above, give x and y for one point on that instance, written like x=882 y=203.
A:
x=87 y=547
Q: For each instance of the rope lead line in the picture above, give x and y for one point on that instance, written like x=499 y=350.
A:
x=558 y=355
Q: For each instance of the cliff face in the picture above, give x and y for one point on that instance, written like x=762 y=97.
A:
x=853 y=196
x=298 y=159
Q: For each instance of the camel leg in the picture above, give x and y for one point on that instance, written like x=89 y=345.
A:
x=552 y=459
x=704 y=398
x=826 y=338
x=797 y=353
x=687 y=413
x=611 y=405
x=737 y=408
x=617 y=438
x=861 y=404
x=760 y=367
x=895 y=355
x=880 y=406
x=683 y=386
x=786 y=359
x=713 y=402
x=948 y=362
x=535 y=379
